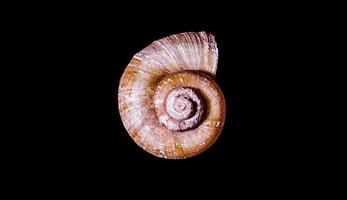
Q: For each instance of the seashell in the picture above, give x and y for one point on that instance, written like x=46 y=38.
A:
x=168 y=101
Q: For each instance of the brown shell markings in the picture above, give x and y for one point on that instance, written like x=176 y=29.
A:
x=168 y=101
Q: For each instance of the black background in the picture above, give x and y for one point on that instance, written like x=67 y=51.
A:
x=264 y=63
x=272 y=71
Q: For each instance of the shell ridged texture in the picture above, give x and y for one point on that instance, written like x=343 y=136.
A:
x=185 y=60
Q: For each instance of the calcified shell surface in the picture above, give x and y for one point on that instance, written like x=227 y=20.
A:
x=168 y=101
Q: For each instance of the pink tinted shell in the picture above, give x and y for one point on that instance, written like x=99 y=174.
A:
x=168 y=101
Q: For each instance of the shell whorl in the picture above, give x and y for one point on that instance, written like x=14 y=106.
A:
x=168 y=100
x=182 y=110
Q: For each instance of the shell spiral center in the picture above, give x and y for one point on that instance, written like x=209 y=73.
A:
x=184 y=109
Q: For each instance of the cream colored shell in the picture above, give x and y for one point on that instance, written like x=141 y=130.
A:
x=185 y=60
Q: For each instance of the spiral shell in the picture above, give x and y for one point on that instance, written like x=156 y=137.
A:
x=168 y=101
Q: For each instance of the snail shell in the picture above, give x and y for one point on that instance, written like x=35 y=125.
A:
x=168 y=101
